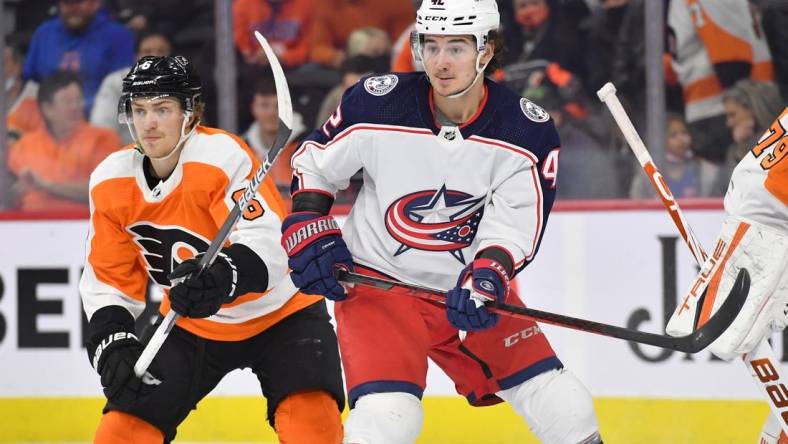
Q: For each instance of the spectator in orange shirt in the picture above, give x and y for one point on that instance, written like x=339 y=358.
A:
x=334 y=20
x=284 y=23
x=21 y=112
x=52 y=165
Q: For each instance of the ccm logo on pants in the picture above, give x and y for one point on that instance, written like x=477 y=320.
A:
x=524 y=334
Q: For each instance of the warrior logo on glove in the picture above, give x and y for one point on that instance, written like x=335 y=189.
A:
x=315 y=247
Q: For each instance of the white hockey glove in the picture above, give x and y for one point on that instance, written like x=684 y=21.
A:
x=764 y=252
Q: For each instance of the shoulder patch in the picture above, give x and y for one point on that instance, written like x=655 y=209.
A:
x=381 y=85
x=533 y=111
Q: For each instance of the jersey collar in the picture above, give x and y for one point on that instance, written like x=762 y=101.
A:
x=474 y=125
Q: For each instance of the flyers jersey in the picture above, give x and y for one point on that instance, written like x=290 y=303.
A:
x=137 y=233
x=432 y=195
x=759 y=183
x=713 y=33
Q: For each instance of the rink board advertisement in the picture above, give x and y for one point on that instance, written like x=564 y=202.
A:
x=624 y=268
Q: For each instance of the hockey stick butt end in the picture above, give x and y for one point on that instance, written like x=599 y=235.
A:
x=607 y=90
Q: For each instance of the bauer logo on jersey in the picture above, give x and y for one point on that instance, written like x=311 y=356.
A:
x=533 y=111
x=165 y=247
x=381 y=85
x=435 y=220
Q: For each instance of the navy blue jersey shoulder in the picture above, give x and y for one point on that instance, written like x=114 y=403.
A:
x=518 y=121
x=387 y=99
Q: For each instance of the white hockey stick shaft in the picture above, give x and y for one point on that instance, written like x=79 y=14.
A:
x=762 y=358
x=285 y=128
x=607 y=94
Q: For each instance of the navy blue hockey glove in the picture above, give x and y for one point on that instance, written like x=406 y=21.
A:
x=481 y=281
x=202 y=296
x=314 y=244
x=113 y=356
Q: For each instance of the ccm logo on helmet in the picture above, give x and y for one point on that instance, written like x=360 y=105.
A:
x=435 y=18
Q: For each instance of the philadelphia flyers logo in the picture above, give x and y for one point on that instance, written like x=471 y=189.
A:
x=164 y=247
x=435 y=220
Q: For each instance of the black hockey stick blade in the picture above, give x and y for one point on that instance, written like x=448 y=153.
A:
x=692 y=343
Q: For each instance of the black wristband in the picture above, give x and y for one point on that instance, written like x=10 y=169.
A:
x=501 y=256
x=310 y=201
x=252 y=271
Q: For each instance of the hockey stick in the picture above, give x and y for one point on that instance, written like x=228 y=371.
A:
x=763 y=356
x=607 y=94
x=693 y=343
x=283 y=134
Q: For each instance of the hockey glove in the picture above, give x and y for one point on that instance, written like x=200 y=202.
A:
x=202 y=296
x=314 y=245
x=481 y=281
x=113 y=355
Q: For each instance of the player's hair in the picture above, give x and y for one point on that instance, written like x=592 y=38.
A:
x=496 y=39
x=54 y=83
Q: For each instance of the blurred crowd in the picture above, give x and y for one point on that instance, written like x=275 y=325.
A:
x=726 y=79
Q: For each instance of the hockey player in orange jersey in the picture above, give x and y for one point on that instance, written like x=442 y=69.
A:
x=153 y=207
x=753 y=236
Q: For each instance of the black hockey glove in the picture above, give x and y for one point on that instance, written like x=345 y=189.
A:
x=113 y=350
x=202 y=296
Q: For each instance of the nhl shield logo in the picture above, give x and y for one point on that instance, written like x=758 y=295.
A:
x=381 y=85
x=533 y=111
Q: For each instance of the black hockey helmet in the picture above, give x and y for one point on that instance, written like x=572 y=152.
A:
x=152 y=76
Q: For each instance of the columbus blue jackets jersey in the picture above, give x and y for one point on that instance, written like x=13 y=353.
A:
x=433 y=196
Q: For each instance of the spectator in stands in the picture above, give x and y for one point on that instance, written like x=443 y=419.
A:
x=52 y=165
x=132 y=13
x=604 y=28
x=334 y=20
x=105 y=107
x=402 y=54
x=545 y=35
x=373 y=43
x=262 y=133
x=750 y=108
x=715 y=45
x=21 y=108
x=284 y=23
x=774 y=17
x=680 y=171
x=586 y=169
x=82 y=38
x=353 y=69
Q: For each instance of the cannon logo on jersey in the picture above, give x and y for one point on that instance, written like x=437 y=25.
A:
x=533 y=111
x=165 y=247
x=381 y=85
x=435 y=220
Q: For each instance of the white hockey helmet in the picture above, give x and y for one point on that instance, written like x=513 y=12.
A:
x=458 y=17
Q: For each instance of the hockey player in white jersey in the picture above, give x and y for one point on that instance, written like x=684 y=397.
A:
x=458 y=181
x=753 y=236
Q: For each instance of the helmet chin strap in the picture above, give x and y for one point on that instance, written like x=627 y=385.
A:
x=479 y=72
x=181 y=140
